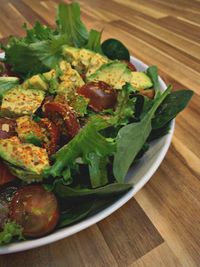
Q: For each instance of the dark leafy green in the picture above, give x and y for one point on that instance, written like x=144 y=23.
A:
x=83 y=209
x=171 y=106
x=131 y=138
x=115 y=49
x=152 y=72
x=64 y=191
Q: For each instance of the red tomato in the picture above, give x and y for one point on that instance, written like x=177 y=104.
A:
x=35 y=209
x=67 y=115
x=6 y=176
x=100 y=94
x=7 y=128
x=53 y=135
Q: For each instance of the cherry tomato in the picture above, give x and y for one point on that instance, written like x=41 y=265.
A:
x=35 y=209
x=101 y=95
x=130 y=65
x=6 y=176
x=53 y=135
x=7 y=128
x=66 y=113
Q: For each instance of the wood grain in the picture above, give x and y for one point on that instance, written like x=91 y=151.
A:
x=160 y=227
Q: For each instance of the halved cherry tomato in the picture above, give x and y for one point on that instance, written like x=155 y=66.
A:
x=35 y=209
x=53 y=134
x=130 y=65
x=7 y=128
x=100 y=94
x=5 y=175
x=67 y=114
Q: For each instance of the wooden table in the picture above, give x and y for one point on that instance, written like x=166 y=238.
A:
x=161 y=225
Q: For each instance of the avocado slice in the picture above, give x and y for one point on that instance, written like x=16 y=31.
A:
x=70 y=79
x=140 y=81
x=19 y=101
x=114 y=73
x=84 y=60
x=6 y=83
x=36 y=82
x=26 y=157
x=29 y=131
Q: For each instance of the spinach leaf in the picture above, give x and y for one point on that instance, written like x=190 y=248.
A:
x=83 y=209
x=64 y=191
x=171 y=106
x=97 y=170
x=115 y=49
x=152 y=72
x=69 y=23
x=131 y=138
x=94 y=41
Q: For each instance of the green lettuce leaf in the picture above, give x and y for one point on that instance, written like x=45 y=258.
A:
x=87 y=141
x=10 y=231
x=94 y=41
x=69 y=23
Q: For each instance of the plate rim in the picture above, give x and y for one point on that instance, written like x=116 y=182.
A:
x=77 y=227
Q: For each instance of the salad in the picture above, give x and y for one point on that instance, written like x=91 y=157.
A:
x=75 y=115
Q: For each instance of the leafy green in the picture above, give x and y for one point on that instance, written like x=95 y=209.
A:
x=86 y=141
x=10 y=231
x=152 y=72
x=114 y=49
x=69 y=23
x=125 y=104
x=64 y=191
x=6 y=83
x=171 y=106
x=131 y=138
x=84 y=209
x=94 y=41
x=35 y=57
x=39 y=32
x=97 y=170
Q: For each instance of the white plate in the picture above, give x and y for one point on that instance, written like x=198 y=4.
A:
x=139 y=175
